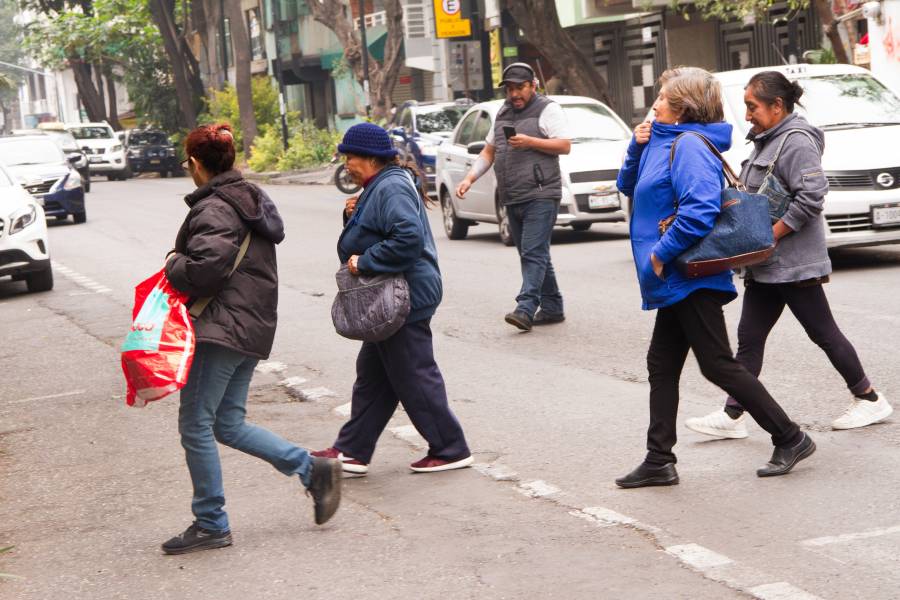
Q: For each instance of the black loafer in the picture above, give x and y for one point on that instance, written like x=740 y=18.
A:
x=195 y=538
x=325 y=487
x=784 y=459
x=519 y=319
x=544 y=318
x=646 y=475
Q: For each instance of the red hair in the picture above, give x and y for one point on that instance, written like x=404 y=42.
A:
x=213 y=146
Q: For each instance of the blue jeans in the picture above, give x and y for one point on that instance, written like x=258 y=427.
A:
x=213 y=407
x=531 y=225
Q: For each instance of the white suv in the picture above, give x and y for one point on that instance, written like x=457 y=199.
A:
x=103 y=148
x=23 y=237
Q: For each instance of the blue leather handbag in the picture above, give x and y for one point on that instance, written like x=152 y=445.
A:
x=742 y=234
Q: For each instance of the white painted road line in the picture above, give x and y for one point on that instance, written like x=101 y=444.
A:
x=318 y=393
x=408 y=434
x=496 y=471
x=698 y=557
x=343 y=410
x=50 y=397
x=781 y=591
x=270 y=366
x=607 y=517
x=292 y=382
x=849 y=537
x=537 y=489
x=79 y=279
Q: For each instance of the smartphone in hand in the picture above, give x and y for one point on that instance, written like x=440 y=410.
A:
x=509 y=131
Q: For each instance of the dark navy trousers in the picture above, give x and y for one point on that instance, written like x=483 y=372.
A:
x=401 y=369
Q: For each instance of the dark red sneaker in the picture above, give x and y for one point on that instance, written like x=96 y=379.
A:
x=431 y=464
x=348 y=464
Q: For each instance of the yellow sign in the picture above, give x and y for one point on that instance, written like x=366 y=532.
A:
x=496 y=57
x=448 y=21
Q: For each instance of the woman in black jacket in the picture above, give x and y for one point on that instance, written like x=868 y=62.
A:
x=224 y=258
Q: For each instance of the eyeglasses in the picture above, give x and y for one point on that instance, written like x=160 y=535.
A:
x=185 y=163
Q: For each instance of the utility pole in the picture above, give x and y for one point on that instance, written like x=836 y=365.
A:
x=365 y=55
x=276 y=66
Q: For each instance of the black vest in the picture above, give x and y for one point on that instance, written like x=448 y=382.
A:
x=524 y=174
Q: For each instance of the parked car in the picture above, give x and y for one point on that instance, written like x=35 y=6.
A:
x=861 y=120
x=419 y=127
x=24 y=254
x=104 y=149
x=589 y=172
x=151 y=151
x=38 y=164
x=68 y=145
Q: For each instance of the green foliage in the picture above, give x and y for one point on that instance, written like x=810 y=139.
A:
x=308 y=146
x=822 y=56
x=729 y=10
x=222 y=106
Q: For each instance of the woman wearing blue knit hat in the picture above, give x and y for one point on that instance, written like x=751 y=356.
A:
x=386 y=231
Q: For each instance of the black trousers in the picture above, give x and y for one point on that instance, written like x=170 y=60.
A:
x=697 y=323
x=763 y=305
x=401 y=369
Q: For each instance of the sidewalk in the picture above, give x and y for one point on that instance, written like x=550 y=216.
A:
x=323 y=175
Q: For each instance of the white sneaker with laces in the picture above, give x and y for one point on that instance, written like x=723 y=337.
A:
x=863 y=412
x=719 y=424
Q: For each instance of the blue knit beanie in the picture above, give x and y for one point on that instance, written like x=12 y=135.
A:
x=367 y=139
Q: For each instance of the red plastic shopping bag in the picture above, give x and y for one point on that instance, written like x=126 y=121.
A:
x=159 y=349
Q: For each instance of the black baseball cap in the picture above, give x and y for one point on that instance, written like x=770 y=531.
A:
x=517 y=73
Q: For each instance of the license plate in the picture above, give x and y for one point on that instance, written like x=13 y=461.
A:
x=95 y=158
x=154 y=161
x=603 y=201
x=887 y=215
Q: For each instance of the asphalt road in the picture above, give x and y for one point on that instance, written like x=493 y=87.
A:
x=90 y=487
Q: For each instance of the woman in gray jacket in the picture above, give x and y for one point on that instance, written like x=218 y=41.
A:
x=800 y=265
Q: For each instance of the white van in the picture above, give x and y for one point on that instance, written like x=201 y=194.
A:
x=861 y=120
x=103 y=148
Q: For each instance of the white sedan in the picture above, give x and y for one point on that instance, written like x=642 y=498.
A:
x=589 y=172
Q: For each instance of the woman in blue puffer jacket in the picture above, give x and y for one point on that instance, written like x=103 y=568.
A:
x=386 y=231
x=689 y=311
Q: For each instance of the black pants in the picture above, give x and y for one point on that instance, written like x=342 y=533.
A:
x=697 y=323
x=763 y=305
x=401 y=368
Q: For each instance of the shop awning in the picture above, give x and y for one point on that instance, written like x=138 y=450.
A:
x=375 y=39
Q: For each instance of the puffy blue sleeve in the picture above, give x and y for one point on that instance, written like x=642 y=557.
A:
x=697 y=184
x=397 y=218
x=628 y=174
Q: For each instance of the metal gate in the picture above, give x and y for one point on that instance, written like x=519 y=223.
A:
x=766 y=42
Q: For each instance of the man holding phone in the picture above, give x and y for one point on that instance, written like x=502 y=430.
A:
x=529 y=134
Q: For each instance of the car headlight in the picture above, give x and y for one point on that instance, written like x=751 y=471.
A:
x=73 y=181
x=170 y=151
x=134 y=152
x=116 y=148
x=22 y=219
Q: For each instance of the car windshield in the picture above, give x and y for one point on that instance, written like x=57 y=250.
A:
x=149 y=138
x=5 y=180
x=593 y=122
x=92 y=133
x=29 y=152
x=64 y=140
x=438 y=120
x=835 y=102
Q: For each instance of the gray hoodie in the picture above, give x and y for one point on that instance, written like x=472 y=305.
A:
x=802 y=254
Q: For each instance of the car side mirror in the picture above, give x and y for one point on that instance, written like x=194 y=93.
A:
x=399 y=132
x=476 y=147
x=75 y=158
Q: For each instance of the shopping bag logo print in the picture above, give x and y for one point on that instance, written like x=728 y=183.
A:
x=159 y=348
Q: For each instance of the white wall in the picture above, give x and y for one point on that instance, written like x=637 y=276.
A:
x=884 y=44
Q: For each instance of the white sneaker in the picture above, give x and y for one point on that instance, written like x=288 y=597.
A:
x=719 y=424
x=863 y=412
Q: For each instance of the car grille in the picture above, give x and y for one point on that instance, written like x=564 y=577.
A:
x=848 y=223
x=862 y=180
x=589 y=176
x=39 y=189
x=584 y=205
x=2 y=227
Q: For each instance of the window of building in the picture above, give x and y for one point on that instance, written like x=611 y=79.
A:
x=254 y=28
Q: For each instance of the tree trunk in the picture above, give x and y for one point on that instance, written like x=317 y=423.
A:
x=91 y=99
x=6 y=124
x=207 y=16
x=113 y=111
x=830 y=27
x=240 y=39
x=98 y=76
x=382 y=76
x=162 y=12
x=540 y=22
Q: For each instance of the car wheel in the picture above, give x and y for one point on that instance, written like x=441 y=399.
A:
x=503 y=224
x=80 y=217
x=42 y=281
x=456 y=228
x=112 y=177
x=164 y=174
x=581 y=226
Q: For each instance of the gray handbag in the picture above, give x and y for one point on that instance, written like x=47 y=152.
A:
x=779 y=197
x=370 y=308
